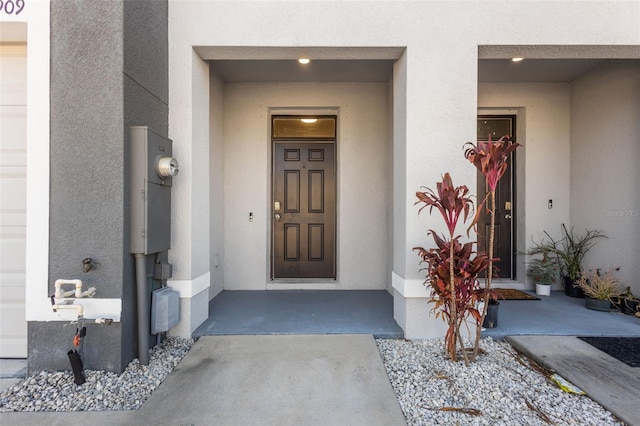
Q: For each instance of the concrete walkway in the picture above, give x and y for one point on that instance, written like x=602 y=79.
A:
x=260 y=380
x=609 y=382
x=12 y=371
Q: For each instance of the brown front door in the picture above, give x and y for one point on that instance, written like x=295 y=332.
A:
x=304 y=210
x=504 y=241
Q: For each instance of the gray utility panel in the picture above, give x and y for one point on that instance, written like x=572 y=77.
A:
x=152 y=171
x=165 y=310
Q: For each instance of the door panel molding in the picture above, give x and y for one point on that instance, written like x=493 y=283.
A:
x=316 y=191
x=316 y=234
x=292 y=191
x=291 y=242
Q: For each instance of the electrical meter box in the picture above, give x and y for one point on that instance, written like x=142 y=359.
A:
x=152 y=170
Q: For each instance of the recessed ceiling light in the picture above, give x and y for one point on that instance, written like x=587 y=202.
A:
x=516 y=59
x=304 y=61
x=309 y=120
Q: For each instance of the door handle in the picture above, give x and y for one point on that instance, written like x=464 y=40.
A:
x=507 y=216
x=277 y=216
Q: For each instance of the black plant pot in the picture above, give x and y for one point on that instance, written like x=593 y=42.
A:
x=572 y=290
x=616 y=303
x=597 y=304
x=491 y=320
x=629 y=306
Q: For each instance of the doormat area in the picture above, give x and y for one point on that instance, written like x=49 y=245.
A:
x=511 y=294
x=625 y=349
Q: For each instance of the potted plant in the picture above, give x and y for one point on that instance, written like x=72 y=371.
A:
x=544 y=272
x=491 y=319
x=600 y=289
x=627 y=302
x=569 y=252
x=631 y=306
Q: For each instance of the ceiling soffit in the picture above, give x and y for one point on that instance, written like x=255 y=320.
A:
x=375 y=64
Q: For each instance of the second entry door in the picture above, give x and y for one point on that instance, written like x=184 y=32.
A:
x=497 y=126
x=304 y=210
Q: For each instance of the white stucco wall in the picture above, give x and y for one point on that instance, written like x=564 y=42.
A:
x=189 y=129
x=216 y=201
x=435 y=87
x=605 y=151
x=543 y=161
x=363 y=175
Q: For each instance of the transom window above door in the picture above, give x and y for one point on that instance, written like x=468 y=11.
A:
x=494 y=127
x=320 y=127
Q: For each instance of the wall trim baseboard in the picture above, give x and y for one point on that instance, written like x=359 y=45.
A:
x=190 y=288
x=94 y=308
x=408 y=288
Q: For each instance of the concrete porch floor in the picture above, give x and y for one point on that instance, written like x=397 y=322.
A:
x=371 y=312
x=559 y=315
x=301 y=312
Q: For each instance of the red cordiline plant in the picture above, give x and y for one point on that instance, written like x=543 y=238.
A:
x=455 y=308
x=452 y=269
x=490 y=158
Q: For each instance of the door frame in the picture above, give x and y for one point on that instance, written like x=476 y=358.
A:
x=302 y=113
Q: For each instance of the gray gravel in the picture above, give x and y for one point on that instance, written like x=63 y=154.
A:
x=498 y=388
x=56 y=391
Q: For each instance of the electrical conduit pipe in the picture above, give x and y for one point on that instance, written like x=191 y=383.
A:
x=143 y=309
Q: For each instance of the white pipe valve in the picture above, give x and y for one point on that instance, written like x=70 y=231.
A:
x=77 y=292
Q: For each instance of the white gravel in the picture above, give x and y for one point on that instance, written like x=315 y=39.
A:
x=501 y=389
x=56 y=391
x=496 y=390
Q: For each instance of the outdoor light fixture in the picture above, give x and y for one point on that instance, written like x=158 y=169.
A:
x=304 y=61
x=309 y=120
x=516 y=59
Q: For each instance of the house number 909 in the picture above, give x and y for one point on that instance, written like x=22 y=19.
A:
x=11 y=7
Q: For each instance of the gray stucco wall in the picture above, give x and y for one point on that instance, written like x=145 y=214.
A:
x=146 y=98
x=108 y=71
